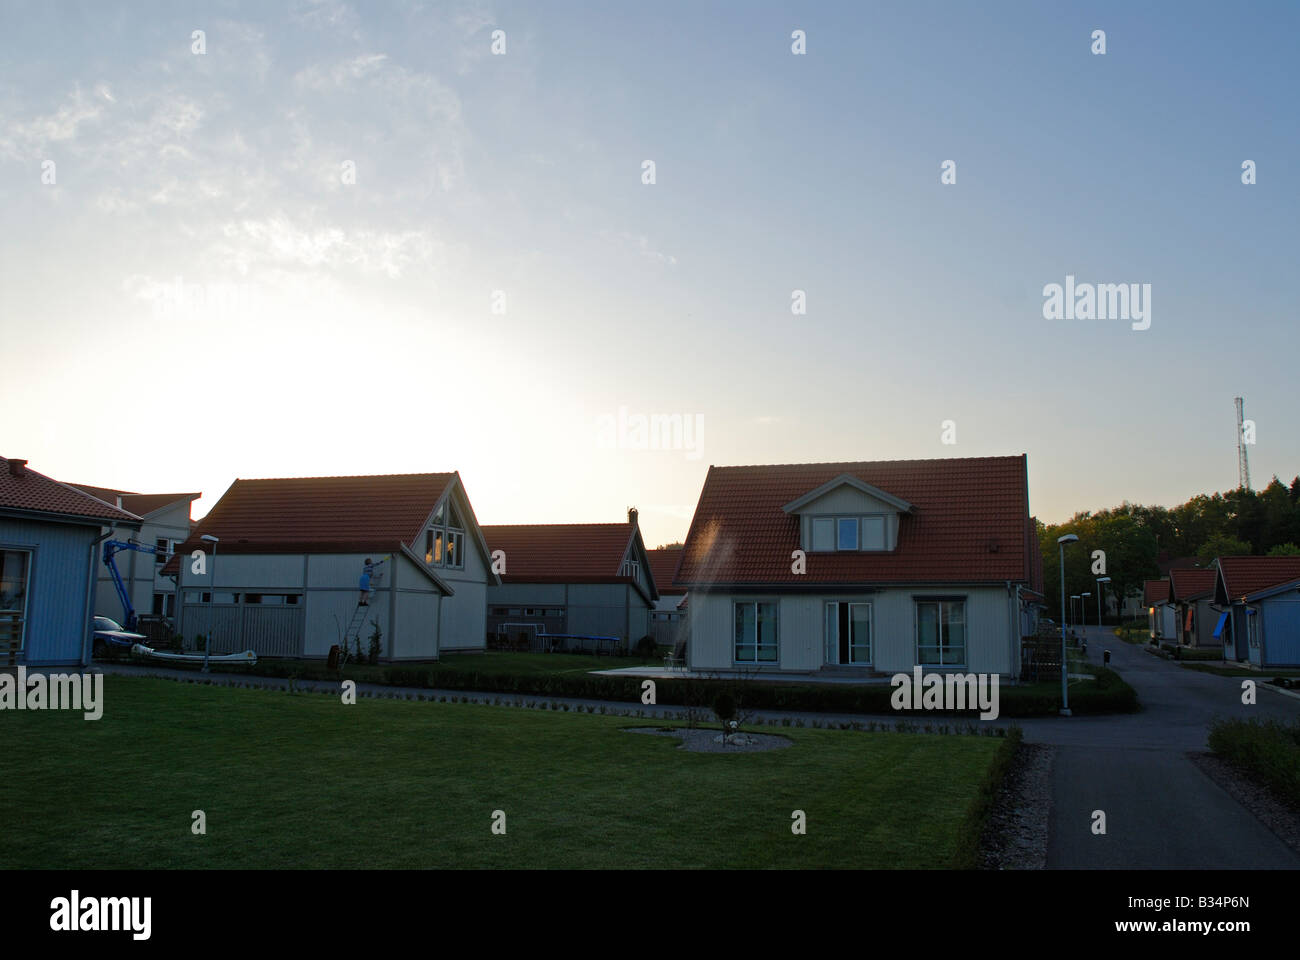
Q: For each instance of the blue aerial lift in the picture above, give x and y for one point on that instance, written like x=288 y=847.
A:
x=111 y=549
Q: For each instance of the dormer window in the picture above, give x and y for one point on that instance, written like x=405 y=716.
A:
x=831 y=534
x=847 y=533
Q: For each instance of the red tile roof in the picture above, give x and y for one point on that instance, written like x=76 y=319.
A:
x=138 y=503
x=1184 y=584
x=320 y=514
x=1155 y=592
x=561 y=552
x=663 y=563
x=968 y=524
x=36 y=493
x=1246 y=575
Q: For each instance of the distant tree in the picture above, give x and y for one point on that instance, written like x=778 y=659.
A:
x=669 y=546
x=1285 y=550
x=1222 y=545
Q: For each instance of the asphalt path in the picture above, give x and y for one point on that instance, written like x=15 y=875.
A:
x=1160 y=810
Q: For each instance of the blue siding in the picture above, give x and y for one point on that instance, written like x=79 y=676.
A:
x=1281 y=633
x=57 y=617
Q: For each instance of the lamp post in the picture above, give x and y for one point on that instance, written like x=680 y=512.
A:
x=1065 y=692
x=212 y=598
x=1073 y=597
x=1083 y=617
x=1100 y=581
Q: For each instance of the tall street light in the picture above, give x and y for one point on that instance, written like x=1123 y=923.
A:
x=1083 y=615
x=1065 y=691
x=212 y=598
x=1100 y=581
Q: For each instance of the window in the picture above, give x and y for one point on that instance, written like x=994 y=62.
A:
x=632 y=568
x=555 y=611
x=444 y=541
x=873 y=533
x=941 y=632
x=15 y=571
x=500 y=612
x=848 y=633
x=848 y=533
x=1252 y=628
x=194 y=596
x=756 y=640
x=162 y=549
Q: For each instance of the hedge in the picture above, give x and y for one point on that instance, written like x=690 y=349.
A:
x=1265 y=750
x=1106 y=694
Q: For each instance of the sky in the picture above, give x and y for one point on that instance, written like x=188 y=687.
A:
x=356 y=239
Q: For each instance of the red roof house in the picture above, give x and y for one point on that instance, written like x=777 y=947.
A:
x=580 y=580
x=865 y=566
x=307 y=542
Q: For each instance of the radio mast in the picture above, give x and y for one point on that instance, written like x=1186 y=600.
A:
x=1243 y=466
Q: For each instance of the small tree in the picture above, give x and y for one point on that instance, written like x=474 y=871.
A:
x=376 y=642
x=724 y=706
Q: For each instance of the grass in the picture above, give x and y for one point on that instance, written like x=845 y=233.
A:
x=303 y=781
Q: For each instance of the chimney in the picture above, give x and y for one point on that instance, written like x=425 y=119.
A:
x=631 y=515
x=17 y=468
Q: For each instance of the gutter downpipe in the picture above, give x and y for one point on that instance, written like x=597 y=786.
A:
x=88 y=629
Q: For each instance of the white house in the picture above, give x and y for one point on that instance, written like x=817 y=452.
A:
x=283 y=578
x=166 y=524
x=868 y=568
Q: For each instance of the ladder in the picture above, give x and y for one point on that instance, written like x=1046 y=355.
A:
x=358 y=621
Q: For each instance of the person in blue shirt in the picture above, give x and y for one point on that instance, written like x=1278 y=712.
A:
x=366 y=573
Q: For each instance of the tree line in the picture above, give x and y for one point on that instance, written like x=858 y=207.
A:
x=1135 y=538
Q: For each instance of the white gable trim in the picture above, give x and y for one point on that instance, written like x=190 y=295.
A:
x=847 y=479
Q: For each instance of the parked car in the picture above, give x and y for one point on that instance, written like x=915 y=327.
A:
x=111 y=634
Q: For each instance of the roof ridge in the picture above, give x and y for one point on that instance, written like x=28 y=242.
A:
x=854 y=463
x=348 y=476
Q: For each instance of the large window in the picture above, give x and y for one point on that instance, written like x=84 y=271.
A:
x=847 y=533
x=15 y=572
x=444 y=541
x=1252 y=628
x=823 y=533
x=848 y=633
x=756 y=640
x=941 y=632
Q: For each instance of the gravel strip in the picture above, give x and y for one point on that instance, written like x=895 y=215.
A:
x=1016 y=835
x=1255 y=797
x=707 y=741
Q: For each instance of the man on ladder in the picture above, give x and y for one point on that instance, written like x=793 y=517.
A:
x=367 y=572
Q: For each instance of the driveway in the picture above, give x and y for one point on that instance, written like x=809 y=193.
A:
x=1161 y=810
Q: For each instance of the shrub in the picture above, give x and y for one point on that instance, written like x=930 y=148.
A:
x=1265 y=750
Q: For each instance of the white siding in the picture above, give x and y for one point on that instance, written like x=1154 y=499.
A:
x=990 y=628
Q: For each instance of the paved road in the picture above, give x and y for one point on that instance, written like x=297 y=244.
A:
x=1161 y=810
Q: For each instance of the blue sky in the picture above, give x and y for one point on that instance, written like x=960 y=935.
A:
x=353 y=331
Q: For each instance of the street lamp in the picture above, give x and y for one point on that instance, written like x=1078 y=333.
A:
x=1073 y=597
x=1100 y=581
x=1065 y=692
x=1083 y=618
x=212 y=598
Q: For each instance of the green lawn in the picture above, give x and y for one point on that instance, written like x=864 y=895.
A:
x=304 y=781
